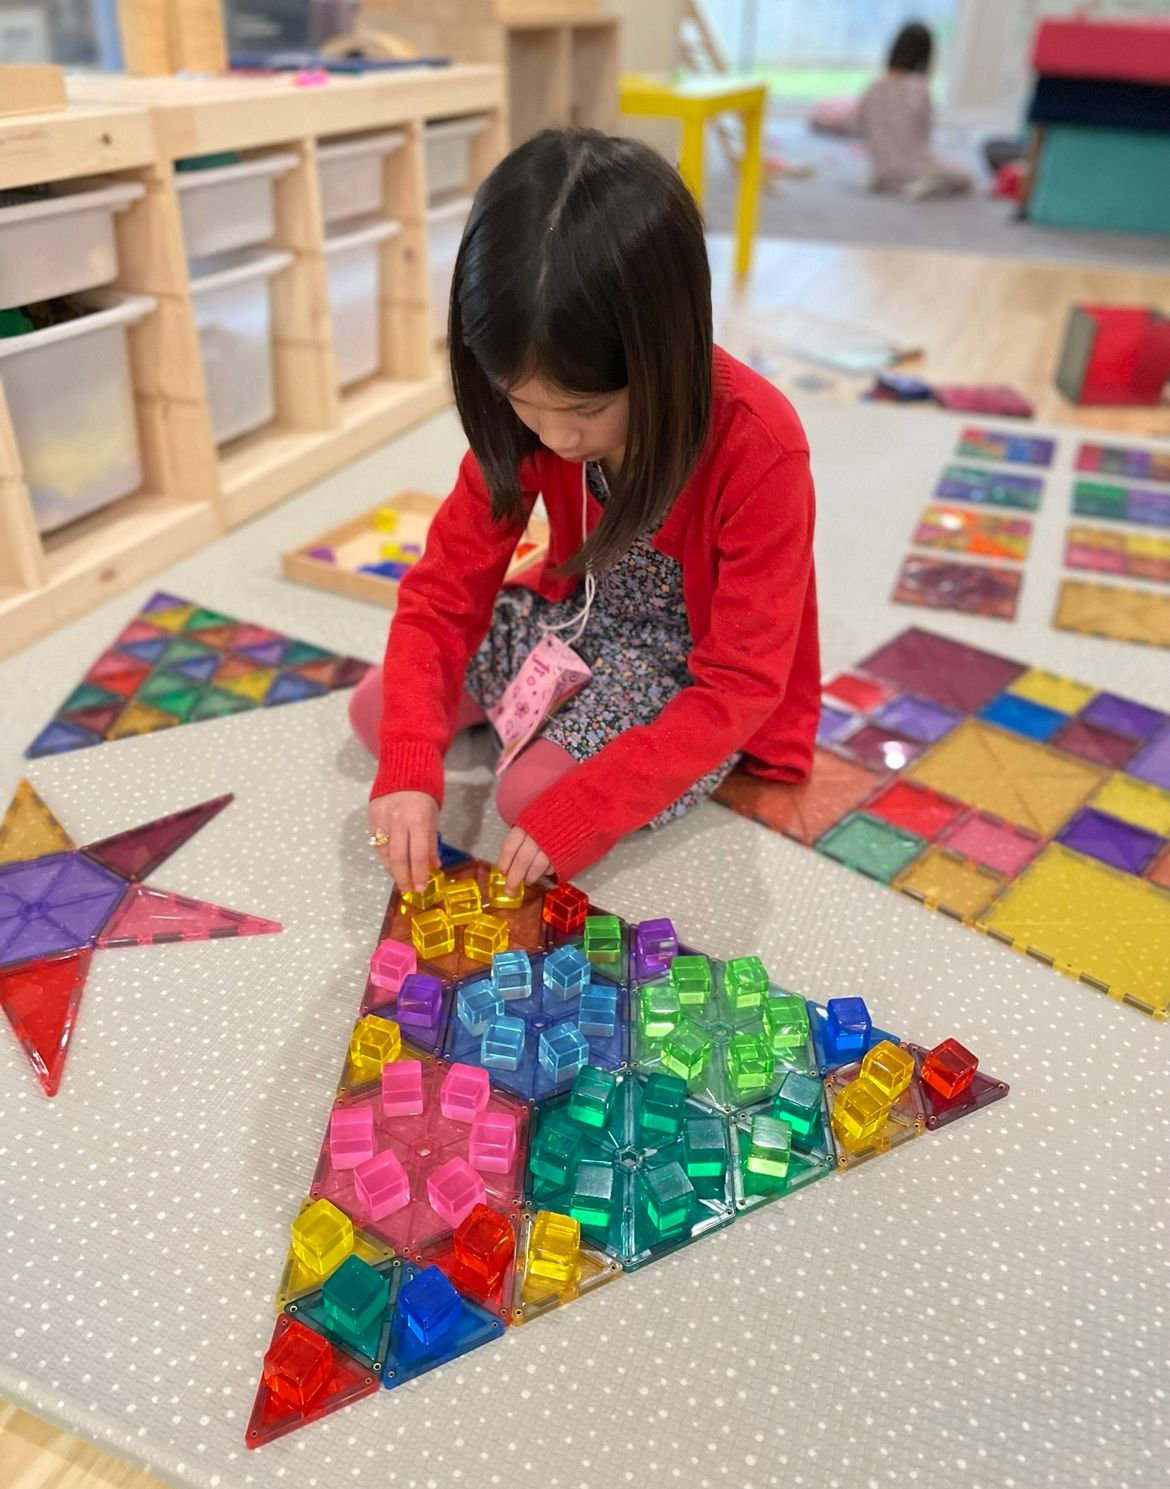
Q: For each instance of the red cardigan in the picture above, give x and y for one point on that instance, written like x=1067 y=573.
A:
x=742 y=529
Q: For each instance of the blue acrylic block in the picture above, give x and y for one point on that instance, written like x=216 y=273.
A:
x=512 y=975
x=562 y=1051
x=567 y=971
x=847 y=1026
x=597 y=1012
x=429 y=1307
x=503 y=1044
x=477 y=1005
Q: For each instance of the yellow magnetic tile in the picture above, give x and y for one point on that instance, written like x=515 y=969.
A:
x=946 y=882
x=1046 y=688
x=170 y=620
x=1141 y=545
x=29 y=829
x=1011 y=777
x=140 y=718
x=253 y=685
x=1136 y=802
x=1114 y=612
x=1091 y=921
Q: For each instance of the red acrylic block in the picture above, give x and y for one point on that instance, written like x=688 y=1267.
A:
x=565 y=908
x=483 y=1247
x=304 y=1379
x=949 y=1068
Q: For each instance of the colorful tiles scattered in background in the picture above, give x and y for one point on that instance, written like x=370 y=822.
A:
x=1113 y=613
x=989 y=488
x=1115 y=551
x=1116 y=503
x=976 y=589
x=981 y=534
x=1005 y=444
x=1122 y=460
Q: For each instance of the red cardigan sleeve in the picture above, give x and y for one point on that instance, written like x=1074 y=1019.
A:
x=444 y=610
x=739 y=671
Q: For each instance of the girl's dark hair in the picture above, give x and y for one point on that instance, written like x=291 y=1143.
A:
x=912 y=48
x=583 y=263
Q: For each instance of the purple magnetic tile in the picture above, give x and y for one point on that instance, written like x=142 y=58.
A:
x=949 y=672
x=1123 y=716
x=84 y=918
x=917 y=718
x=53 y=904
x=30 y=881
x=25 y=940
x=834 y=722
x=265 y=653
x=1152 y=762
x=162 y=601
x=881 y=749
x=80 y=878
x=1112 y=841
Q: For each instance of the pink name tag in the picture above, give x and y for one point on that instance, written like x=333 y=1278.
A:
x=550 y=673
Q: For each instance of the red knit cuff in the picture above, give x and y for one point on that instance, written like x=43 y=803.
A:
x=409 y=767
x=569 y=844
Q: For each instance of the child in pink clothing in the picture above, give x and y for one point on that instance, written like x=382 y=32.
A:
x=895 y=117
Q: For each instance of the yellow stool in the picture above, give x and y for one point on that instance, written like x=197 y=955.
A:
x=693 y=101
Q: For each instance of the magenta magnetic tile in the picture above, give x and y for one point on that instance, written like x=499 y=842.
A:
x=834 y=722
x=973 y=589
x=1097 y=745
x=917 y=718
x=881 y=749
x=1152 y=762
x=950 y=672
x=993 y=844
x=1113 y=841
x=1123 y=716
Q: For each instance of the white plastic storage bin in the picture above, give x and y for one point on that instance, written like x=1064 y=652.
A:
x=71 y=400
x=230 y=206
x=232 y=299
x=448 y=144
x=350 y=173
x=444 y=230
x=352 y=264
x=62 y=243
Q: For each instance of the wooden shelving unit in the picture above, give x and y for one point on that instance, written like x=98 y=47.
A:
x=192 y=490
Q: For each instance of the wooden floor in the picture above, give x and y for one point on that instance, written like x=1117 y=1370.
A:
x=976 y=321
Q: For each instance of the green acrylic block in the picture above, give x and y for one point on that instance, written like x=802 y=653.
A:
x=595 y=1194
x=706 y=1147
x=771 y=1147
x=786 y=1018
x=659 y=1010
x=603 y=940
x=664 y=1099
x=690 y=977
x=354 y=1300
x=871 y=846
x=668 y=1196
x=746 y=983
x=556 y=1151
x=686 y=1050
x=750 y=1064
x=592 y=1096
x=799 y=1102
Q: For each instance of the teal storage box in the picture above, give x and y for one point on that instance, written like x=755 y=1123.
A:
x=1112 y=180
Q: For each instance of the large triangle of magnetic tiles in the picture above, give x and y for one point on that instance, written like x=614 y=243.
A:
x=180 y=663
x=538 y=1098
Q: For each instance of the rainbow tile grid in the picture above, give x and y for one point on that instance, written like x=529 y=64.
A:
x=1027 y=805
x=944 y=584
x=978 y=534
x=1113 y=612
x=513 y=1131
x=1004 y=444
x=1115 y=551
x=1142 y=505
x=1123 y=460
x=179 y=663
x=988 y=487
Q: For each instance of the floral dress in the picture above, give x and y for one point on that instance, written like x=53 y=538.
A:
x=636 y=641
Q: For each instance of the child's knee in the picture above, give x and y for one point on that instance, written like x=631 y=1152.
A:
x=365 y=709
x=534 y=770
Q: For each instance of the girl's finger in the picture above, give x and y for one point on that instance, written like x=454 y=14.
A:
x=508 y=852
x=398 y=851
x=517 y=873
x=419 y=849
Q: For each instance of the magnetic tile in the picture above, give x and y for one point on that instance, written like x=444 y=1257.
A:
x=943 y=881
x=940 y=1111
x=345 y=1381
x=140 y=718
x=809 y=1160
x=1134 y=801
x=58 y=738
x=1007 y=776
x=1124 y=460
x=136 y=853
x=1098 y=745
x=861 y=694
x=152 y=917
x=296 y=1279
x=1006 y=444
x=29 y=829
x=906 y=1119
x=996 y=845
x=917 y=718
x=1113 y=613
x=1152 y=761
x=871 y=846
x=1159 y=871
x=1050 y=691
x=1022 y=716
x=40 y=1000
x=833 y=723
x=879 y=748
x=973 y=589
x=1137 y=555
x=1123 y=716
x=1114 y=842
x=973 y=532
x=1092 y=922
x=952 y=673
x=535 y=1295
x=986 y=487
x=801 y=810
x=51 y=904
x=919 y=810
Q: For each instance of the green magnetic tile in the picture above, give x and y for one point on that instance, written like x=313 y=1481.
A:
x=299 y=652
x=871 y=846
x=215 y=704
x=89 y=695
x=184 y=649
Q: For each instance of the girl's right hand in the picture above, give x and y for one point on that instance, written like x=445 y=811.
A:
x=410 y=821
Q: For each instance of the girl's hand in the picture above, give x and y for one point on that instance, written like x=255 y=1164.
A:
x=521 y=861
x=410 y=822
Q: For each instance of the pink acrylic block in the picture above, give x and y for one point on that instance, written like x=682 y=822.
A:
x=402 y=1088
x=491 y=1144
x=381 y=1185
x=351 y=1136
x=454 y=1190
x=465 y=1092
x=392 y=961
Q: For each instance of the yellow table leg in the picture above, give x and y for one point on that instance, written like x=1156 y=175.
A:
x=690 y=164
x=750 y=174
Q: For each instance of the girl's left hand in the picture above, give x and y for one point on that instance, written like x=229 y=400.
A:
x=521 y=861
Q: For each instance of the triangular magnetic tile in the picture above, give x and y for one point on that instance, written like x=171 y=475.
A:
x=161 y=600
x=273 y=1417
x=178 y=700
x=407 y=1358
x=137 y=852
x=319 y=672
x=906 y=1120
x=983 y=1090
x=817 y=1014
x=221 y=637
x=184 y=648
x=289 y=688
x=40 y=1000
x=89 y=695
x=141 y=630
x=299 y=652
x=234 y=666
x=97 y=720
x=370 y=1351
x=250 y=635
x=534 y=1296
x=500 y=1298
x=140 y=718
x=264 y=653
x=29 y=829
x=114 y=670
x=208 y=620
x=215 y=704
x=811 y=1158
x=254 y=686
x=152 y=916
x=172 y=620
x=145 y=651
x=58 y=738
x=197 y=669
x=296 y=1280
x=350 y=671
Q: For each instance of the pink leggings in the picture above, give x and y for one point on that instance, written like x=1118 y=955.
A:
x=538 y=766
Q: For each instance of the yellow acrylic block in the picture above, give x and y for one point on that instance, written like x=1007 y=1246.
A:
x=432 y=933
x=889 y=1069
x=860 y=1112
x=553 y=1247
x=374 y=1043
x=461 y=900
x=386 y=520
x=484 y=936
x=431 y=896
x=500 y=896
x=322 y=1237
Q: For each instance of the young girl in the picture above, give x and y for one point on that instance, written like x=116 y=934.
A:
x=895 y=118
x=680 y=504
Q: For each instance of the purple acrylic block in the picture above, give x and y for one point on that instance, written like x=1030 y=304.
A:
x=917 y=718
x=834 y=723
x=1114 y=842
x=1152 y=762
x=1123 y=716
x=420 y=1000
x=655 y=947
x=323 y=554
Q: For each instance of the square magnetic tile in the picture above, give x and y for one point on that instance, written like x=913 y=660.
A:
x=1159 y=871
x=917 y=718
x=1135 y=801
x=861 y=694
x=917 y=809
x=1091 y=922
x=1097 y=745
x=951 y=884
x=1114 y=842
x=996 y=845
x=1113 y=612
x=1152 y=762
x=952 y=673
x=879 y=748
x=871 y=846
x=1123 y=716
x=1010 y=777
x=973 y=589
x=1022 y=716
x=805 y=809
x=1051 y=691
x=970 y=531
x=834 y=722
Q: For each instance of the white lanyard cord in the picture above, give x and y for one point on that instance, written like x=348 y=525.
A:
x=578 y=622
